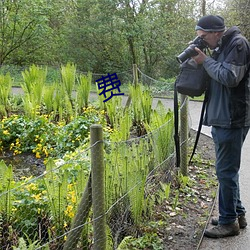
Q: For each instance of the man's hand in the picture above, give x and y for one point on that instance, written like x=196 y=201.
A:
x=200 y=58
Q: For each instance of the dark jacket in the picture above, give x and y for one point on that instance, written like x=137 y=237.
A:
x=228 y=103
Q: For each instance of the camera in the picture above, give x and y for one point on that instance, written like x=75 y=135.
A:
x=190 y=51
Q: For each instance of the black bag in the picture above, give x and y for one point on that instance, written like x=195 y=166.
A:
x=192 y=80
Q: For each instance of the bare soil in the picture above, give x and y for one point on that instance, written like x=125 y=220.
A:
x=187 y=222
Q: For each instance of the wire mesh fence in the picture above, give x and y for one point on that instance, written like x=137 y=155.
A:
x=46 y=210
x=55 y=210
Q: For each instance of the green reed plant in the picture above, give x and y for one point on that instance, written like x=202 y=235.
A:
x=126 y=171
x=122 y=129
x=135 y=92
x=164 y=191
x=161 y=128
x=33 y=85
x=101 y=98
x=48 y=98
x=146 y=102
x=68 y=74
x=62 y=106
x=141 y=103
x=56 y=184
x=6 y=184
x=114 y=110
x=137 y=181
x=5 y=90
x=83 y=90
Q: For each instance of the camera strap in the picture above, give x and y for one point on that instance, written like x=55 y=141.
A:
x=199 y=127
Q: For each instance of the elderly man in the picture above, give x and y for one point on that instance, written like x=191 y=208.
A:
x=228 y=112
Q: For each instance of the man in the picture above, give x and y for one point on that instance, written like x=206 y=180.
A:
x=228 y=112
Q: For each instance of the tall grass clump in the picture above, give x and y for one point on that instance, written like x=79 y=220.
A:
x=34 y=80
x=83 y=91
x=68 y=74
x=5 y=90
x=161 y=132
x=141 y=105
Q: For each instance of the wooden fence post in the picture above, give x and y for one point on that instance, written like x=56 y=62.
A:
x=98 y=194
x=135 y=74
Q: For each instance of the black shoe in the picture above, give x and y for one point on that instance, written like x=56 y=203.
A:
x=221 y=231
x=241 y=219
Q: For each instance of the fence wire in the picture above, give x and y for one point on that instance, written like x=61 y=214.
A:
x=43 y=210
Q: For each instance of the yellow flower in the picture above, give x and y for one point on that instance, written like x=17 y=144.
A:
x=69 y=211
x=31 y=187
x=6 y=132
x=37 y=196
x=38 y=156
x=73 y=199
x=14 y=209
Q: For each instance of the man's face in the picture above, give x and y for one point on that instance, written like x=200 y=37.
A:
x=211 y=38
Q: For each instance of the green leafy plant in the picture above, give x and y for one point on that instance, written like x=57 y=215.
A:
x=147 y=241
x=48 y=98
x=141 y=103
x=30 y=208
x=161 y=126
x=68 y=74
x=23 y=245
x=164 y=191
x=5 y=90
x=34 y=81
x=6 y=184
x=83 y=91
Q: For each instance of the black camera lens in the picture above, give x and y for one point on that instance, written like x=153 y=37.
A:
x=190 y=50
x=187 y=53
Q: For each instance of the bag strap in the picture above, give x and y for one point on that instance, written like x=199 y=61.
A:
x=176 y=126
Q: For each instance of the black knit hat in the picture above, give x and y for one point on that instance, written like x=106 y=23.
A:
x=211 y=23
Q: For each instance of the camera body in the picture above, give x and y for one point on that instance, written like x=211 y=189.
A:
x=190 y=51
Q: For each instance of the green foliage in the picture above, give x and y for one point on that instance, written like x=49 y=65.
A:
x=141 y=104
x=6 y=184
x=5 y=90
x=115 y=112
x=30 y=206
x=34 y=81
x=147 y=241
x=127 y=160
x=103 y=36
x=57 y=188
x=30 y=245
x=23 y=25
x=161 y=126
x=83 y=91
x=43 y=137
x=164 y=191
x=48 y=98
x=68 y=74
x=126 y=172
